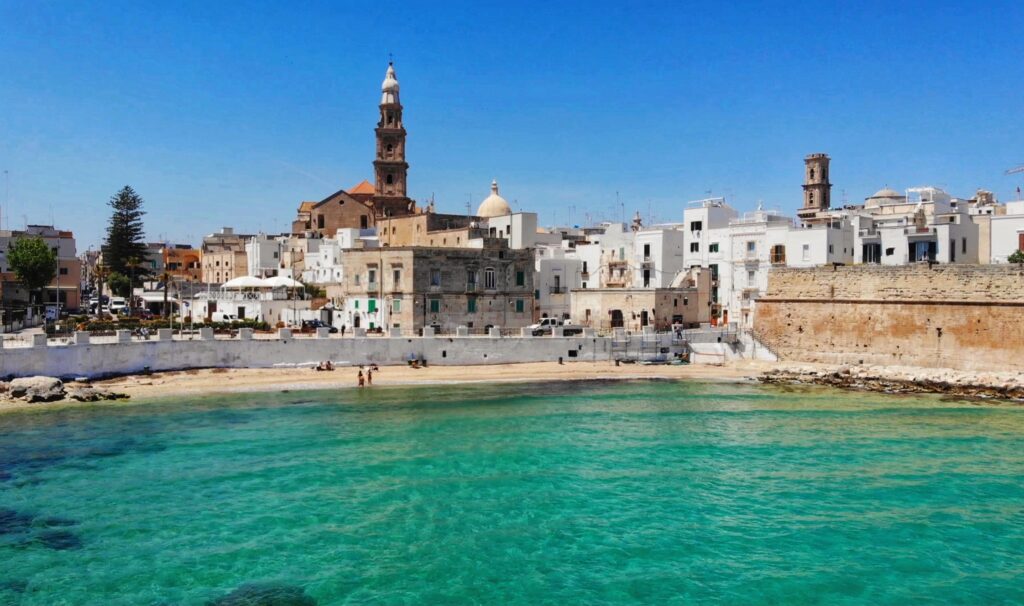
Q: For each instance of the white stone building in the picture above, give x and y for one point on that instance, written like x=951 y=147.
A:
x=1007 y=232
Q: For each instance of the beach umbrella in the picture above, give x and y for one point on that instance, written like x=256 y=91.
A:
x=244 y=282
x=281 y=282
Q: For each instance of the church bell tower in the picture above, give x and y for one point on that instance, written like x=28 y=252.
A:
x=817 y=188
x=389 y=167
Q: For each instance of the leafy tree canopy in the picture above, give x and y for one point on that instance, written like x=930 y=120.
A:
x=125 y=249
x=1017 y=257
x=119 y=284
x=34 y=263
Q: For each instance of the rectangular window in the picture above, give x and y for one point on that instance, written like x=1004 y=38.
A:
x=520 y=278
x=435 y=306
x=713 y=247
x=890 y=252
x=830 y=249
x=63 y=271
x=963 y=247
x=696 y=225
x=396 y=277
x=319 y=221
x=585 y=267
x=471 y=305
x=357 y=303
x=751 y=247
x=520 y=306
x=396 y=306
x=371 y=305
x=807 y=252
x=371 y=276
x=435 y=277
x=647 y=250
x=750 y=277
x=694 y=247
x=489 y=279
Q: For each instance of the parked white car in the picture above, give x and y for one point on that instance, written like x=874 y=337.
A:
x=117 y=304
x=546 y=325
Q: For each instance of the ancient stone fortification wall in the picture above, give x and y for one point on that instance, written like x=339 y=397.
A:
x=956 y=316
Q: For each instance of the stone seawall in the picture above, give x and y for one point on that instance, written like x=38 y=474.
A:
x=86 y=358
x=968 y=317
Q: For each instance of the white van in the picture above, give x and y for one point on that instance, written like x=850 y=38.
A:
x=116 y=305
x=220 y=316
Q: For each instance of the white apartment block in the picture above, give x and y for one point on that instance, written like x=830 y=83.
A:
x=1007 y=232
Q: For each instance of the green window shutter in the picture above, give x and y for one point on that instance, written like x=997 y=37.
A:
x=435 y=305
x=357 y=303
x=472 y=305
x=519 y=306
x=371 y=305
x=520 y=278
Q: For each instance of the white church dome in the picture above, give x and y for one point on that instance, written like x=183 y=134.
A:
x=494 y=205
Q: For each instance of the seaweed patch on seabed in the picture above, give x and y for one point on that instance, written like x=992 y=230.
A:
x=13 y=586
x=19 y=464
x=59 y=540
x=27 y=530
x=265 y=594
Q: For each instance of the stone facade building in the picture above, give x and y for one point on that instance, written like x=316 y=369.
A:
x=687 y=304
x=405 y=288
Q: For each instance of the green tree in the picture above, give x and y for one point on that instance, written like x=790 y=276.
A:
x=119 y=284
x=125 y=245
x=34 y=263
x=1017 y=257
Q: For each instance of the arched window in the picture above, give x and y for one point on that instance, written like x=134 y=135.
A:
x=390 y=180
x=812 y=174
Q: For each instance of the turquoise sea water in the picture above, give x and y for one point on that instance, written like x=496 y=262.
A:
x=561 y=493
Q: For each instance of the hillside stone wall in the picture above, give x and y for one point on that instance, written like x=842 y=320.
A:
x=969 y=317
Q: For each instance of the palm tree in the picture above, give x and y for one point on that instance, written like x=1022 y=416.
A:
x=133 y=263
x=166 y=279
x=101 y=272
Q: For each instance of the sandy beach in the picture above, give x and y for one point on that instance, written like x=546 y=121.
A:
x=208 y=381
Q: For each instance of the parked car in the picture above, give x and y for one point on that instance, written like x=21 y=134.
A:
x=138 y=312
x=117 y=304
x=220 y=316
x=312 y=325
x=546 y=325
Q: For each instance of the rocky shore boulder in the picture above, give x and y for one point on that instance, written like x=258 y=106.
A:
x=37 y=389
x=88 y=393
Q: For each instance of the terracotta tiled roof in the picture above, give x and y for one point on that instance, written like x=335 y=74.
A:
x=363 y=188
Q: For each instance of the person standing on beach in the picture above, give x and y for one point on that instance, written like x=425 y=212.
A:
x=369 y=377
x=360 y=378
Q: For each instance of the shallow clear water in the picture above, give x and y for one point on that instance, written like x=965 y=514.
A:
x=617 y=493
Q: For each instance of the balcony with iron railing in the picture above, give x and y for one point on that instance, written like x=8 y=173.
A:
x=558 y=290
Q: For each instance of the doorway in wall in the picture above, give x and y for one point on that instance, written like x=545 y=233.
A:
x=617 y=321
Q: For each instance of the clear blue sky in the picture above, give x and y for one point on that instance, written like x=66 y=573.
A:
x=231 y=114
